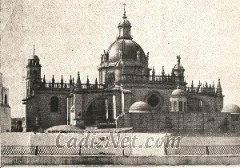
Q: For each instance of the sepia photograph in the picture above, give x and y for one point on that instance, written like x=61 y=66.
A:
x=119 y=83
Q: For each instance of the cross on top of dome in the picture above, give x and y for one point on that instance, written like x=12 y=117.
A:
x=35 y=57
x=179 y=59
x=34 y=50
x=124 y=14
x=124 y=26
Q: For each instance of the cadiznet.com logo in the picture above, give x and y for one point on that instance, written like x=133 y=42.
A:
x=116 y=140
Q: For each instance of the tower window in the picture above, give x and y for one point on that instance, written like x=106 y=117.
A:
x=5 y=99
x=54 y=104
x=110 y=79
x=34 y=75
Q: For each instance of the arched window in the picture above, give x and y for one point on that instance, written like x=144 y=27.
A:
x=110 y=78
x=5 y=99
x=180 y=106
x=54 y=104
x=174 y=106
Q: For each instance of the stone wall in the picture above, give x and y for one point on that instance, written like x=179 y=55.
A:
x=5 y=118
x=137 y=156
x=5 y=110
x=16 y=138
x=49 y=139
x=39 y=104
x=121 y=160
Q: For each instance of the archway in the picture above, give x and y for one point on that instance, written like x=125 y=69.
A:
x=96 y=113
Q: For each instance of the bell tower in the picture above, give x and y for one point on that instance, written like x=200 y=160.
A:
x=33 y=79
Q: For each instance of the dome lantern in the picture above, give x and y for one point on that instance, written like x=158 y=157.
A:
x=178 y=101
x=178 y=72
x=124 y=27
x=178 y=68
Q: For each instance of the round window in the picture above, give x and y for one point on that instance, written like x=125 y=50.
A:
x=153 y=100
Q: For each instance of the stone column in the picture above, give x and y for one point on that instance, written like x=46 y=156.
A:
x=122 y=100
x=67 y=108
x=72 y=115
x=106 y=108
x=114 y=107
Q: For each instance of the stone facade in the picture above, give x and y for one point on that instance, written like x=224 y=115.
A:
x=5 y=110
x=39 y=113
x=124 y=78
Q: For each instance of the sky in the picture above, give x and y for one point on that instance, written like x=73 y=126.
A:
x=70 y=36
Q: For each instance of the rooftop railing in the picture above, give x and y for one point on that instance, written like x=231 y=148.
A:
x=73 y=86
x=156 y=79
x=149 y=78
x=56 y=85
x=201 y=90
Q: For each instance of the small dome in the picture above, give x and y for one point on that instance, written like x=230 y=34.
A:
x=63 y=129
x=124 y=23
x=35 y=57
x=178 y=67
x=129 y=49
x=140 y=107
x=178 y=92
x=231 y=108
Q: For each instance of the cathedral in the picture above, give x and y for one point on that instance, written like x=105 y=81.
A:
x=126 y=94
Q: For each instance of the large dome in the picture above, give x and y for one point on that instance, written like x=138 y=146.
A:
x=125 y=47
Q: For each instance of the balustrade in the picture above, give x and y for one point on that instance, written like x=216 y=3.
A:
x=68 y=86
x=202 y=90
x=149 y=78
